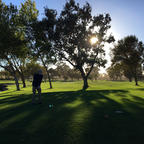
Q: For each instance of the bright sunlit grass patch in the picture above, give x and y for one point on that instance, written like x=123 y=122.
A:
x=74 y=103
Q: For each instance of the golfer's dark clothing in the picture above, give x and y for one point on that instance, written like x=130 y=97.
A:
x=37 y=80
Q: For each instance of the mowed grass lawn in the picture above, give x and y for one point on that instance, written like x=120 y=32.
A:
x=106 y=113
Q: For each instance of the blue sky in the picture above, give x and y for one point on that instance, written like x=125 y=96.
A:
x=127 y=15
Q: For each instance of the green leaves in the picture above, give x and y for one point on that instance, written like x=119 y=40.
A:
x=28 y=12
x=130 y=52
x=74 y=29
x=10 y=38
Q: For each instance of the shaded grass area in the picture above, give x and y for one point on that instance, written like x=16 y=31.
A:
x=77 y=117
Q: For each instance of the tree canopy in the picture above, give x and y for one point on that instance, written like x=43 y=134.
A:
x=129 y=51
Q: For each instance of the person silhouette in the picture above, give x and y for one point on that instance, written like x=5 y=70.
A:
x=36 y=85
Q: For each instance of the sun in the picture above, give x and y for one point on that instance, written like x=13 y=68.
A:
x=93 y=40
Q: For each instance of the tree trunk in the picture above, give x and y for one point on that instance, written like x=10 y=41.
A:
x=13 y=72
x=16 y=82
x=135 y=76
x=48 y=75
x=85 y=83
x=130 y=79
x=85 y=77
x=136 y=81
x=23 y=80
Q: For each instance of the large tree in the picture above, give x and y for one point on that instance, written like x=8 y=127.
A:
x=130 y=52
x=12 y=42
x=75 y=28
x=14 y=28
x=42 y=44
x=27 y=17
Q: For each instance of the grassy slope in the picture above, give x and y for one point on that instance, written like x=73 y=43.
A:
x=77 y=117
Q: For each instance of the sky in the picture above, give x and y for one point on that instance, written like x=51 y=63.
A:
x=127 y=15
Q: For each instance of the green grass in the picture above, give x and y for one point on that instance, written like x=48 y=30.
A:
x=78 y=117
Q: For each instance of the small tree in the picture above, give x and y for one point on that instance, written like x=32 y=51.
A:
x=115 y=71
x=5 y=75
x=63 y=71
x=75 y=28
x=31 y=68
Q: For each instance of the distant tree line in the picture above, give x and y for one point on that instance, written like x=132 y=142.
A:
x=61 y=73
x=27 y=44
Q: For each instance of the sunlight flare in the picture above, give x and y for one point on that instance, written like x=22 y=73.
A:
x=93 y=40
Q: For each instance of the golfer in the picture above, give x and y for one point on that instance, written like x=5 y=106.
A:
x=37 y=79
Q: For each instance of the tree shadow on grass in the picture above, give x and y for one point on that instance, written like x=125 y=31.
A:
x=77 y=117
x=123 y=123
x=142 y=89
